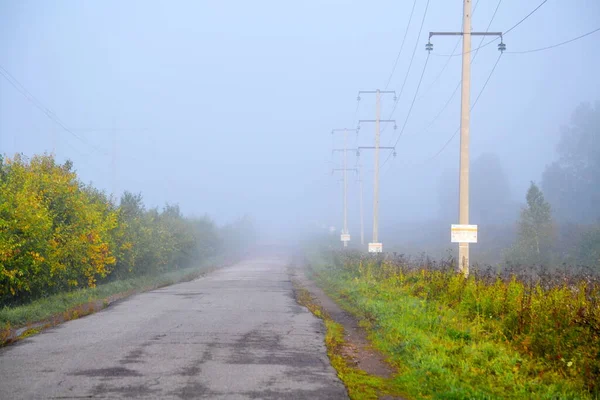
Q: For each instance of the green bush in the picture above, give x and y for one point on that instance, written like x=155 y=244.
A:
x=58 y=234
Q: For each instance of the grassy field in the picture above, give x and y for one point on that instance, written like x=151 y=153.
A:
x=68 y=303
x=477 y=338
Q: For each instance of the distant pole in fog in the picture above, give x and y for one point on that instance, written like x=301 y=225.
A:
x=375 y=246
x=362 y=216
x=465 y=108
x=345 y=237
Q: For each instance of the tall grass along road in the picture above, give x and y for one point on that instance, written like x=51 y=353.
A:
x=521 y=334
x=236 y=333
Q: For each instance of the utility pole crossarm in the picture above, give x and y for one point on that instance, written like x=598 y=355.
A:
x=343 y=130
x=462 y=33
x=373 y=147
x=377 y=122
x=375 y=91
x=344 y=169
x=376 y=149
x=501 y=45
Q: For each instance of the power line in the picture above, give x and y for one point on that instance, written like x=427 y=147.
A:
x=410 y=109
x=487 y=29
x=524 y=18
x=505 y=33
x=472 y=61
x=31 y=98
x=459 y=82
x=512 y=52
x=439 y=75
x=413 y=100
x=39 y=105
x=442 y=109
x=555 y=45
x=447 y=61
x=409 y=65
x=472 y=106
x=402 y=45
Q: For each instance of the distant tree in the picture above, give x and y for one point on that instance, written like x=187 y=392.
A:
x=491 y=201
x=132 y=205
x=572 y=183
x=490 y=198
x=535 y=231
x=589 y=248
x=239 y=235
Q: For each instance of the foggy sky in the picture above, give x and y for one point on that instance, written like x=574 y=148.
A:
x=226 y=107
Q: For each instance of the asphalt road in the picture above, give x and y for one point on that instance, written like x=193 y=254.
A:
x=236 y=333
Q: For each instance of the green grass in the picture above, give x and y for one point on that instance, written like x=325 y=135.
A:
x=57 y=304
x=441 y=352
x=360 y=384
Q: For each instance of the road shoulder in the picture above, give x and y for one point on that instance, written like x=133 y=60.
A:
x=363 y=369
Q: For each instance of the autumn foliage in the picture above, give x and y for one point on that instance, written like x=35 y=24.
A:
x=58 y=234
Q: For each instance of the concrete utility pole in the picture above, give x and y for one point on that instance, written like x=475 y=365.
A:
x=345 y=237
x=361 y=190
x=362 y=216
x=465 y=104
x=375 y=246
x=376 y=179
x=463 y=233
x=374 y=249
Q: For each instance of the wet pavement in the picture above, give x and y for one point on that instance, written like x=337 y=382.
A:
x=236 y=333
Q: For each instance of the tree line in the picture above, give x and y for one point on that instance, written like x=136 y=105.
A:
x=59 y=234
x=560 y=220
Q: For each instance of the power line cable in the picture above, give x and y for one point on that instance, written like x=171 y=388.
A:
x=524 y=18
x=409 y=65
x=410 y=109
x=554 y=45
x=488 y=28
x=21 y=89
x=459 y=82
x=402 y=45
x=38 y=104
x=504 y=33
x=439 y=75
x=472 y=106
x=447 y=61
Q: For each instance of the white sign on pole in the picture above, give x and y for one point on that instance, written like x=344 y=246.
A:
x=463 y=233
x=375 y=247
x=345 y=237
